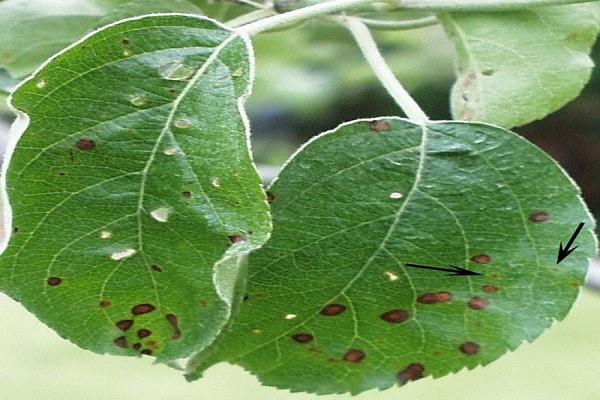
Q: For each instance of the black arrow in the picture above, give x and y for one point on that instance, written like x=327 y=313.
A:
x=564 y=252
x=456 y=271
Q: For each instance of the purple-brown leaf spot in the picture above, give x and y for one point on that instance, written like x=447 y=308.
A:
x=142 y=309
x=469 y=348
x=172 y=318
x=156 y=268
x=104 y=303
x=270 y=197
x=54 y=281
x=354 y=355
x=539 y=216
x=186 y=193
x=124 y=324
x=85 y=144
x=434 y=297
x=478 y=303
x=125 y=41
x=379 y=126
x=490 y=288
x=303 y=337
x=411 y=373
x=481 y=259
x=394 y=316
x=236 y=238
x=121 y=341
x=142 y=333
x=332 y=309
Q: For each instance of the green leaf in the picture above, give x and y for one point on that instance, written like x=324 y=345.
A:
x=33 y=30
x=331 y=306
x=134 y=197
x=516 y=67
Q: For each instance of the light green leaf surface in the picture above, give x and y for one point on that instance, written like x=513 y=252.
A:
x=330 y=305
x=516 y=67
x=33 y=30
x=132 y=180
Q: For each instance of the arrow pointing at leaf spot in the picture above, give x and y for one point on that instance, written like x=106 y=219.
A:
x=564 y=252
x=456 y=271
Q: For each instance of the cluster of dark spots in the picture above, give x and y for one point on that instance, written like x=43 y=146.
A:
x=354 y=355
x=54 y=281
x=125 y=41
x=490 y=288
x=156 y=268
x=481 y=259
x=434 y=297
x=411 y=373
x=379 y=126
x=85 y=144
x=172 y=318
x=303 y=337
x=187 y=194
x=104 y=303
x=469 y=348
x=121 y=341
x=394 y=316
x=332 y=309
x=142 y=333
x=270 y=197
x=478 y=303
x=236 y=238
x=142 y=309
x=124 y=324
x=539 y=216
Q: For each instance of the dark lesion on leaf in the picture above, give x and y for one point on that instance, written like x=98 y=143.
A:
x=539 y=216
x=411 y=373
x=121 y=341
x=142 y=309
x=303 y=337
x=332 y=309
x=54 y=281
x=395 y=316
x=379 y=126
x=124 y=324
x=85 y=144
x=469 y=348
x=434 y=297
x=174 y=322
x=478 y=303
x=354 y=356
x=481 y=259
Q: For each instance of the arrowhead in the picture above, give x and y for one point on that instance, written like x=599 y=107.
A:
x=563 y=253
x=462 y=272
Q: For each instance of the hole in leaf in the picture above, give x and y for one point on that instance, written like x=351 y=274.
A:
x=85 y=144
x=333 y=309
x=391 y=276
x=411 y=373
x=124 y=324
x=435 y=297
x=161 y=214
x=216 y=182
x=54 y=281
x=478 y=303
x=105 y=234
x=539 y=216
x=122 y=254
x=394 y=316
x=354 y=355
x=481 y=259
x=469 y=348
x=142 y=309
x=41 y=84
x=379 y=126
x=290 y=316
x=142 y=333
x=303 y=337
x=396 y=195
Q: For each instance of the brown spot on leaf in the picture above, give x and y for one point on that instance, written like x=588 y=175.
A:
x=121 y=341
x=104 y=303
x=539 y=216
x=435 y=297
x=125 y=41
x=54 y=281
x=469 y=348
x=481 y=259
x=490 y=288
x=478 y=303
x=333 y=309
x=137 y=346
x=172 y=318
x=147 y=352
x=236 y=238
x=16 y=229
x=303 y=337
x=411 y=373
x=395 y=316
x=124 y=324
x=142 y=333
x=354 y=355
x=156 y=268
x=186 y=194
x=85 y=144
x=379 y=126
x=142 y=309
x=270 y=197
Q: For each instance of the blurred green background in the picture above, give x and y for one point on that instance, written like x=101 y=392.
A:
x=310 y=79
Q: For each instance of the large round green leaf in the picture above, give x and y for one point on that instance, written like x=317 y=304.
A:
x=134 y=198
x=331 y=305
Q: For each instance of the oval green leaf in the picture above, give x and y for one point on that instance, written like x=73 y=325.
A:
x=516 y=67
x=134 y=197
x=331 y=305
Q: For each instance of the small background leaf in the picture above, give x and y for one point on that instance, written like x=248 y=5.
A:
x=132 y=180
x=331 y=307
x=516 y=67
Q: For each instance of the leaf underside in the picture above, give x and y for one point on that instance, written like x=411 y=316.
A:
x=516 y=67
x=330 y=306
x=131 y=182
